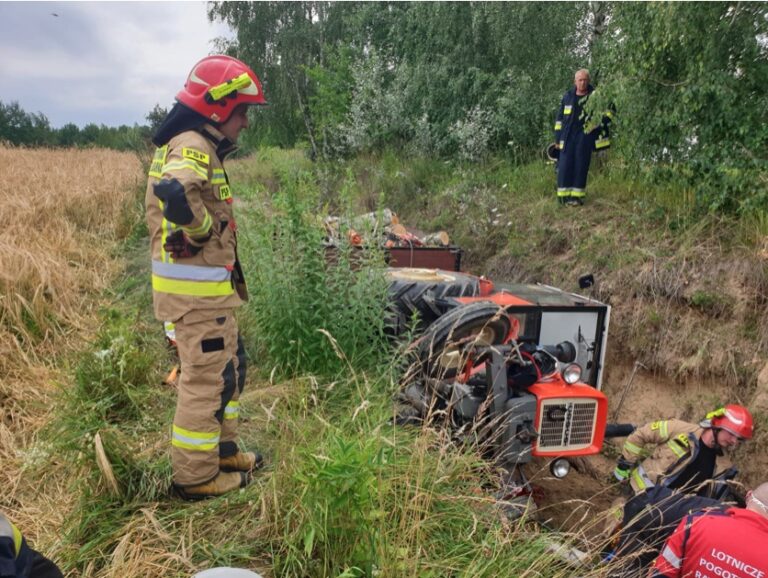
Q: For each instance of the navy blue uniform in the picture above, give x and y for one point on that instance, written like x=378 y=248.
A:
x=576 y=145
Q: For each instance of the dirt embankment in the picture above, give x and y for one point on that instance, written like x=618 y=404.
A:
x=689 y=317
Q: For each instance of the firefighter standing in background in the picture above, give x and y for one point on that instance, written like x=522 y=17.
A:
x=18 y=560
x=575 y=138
x=680 y=455
x=197 y=281
x=730 y=543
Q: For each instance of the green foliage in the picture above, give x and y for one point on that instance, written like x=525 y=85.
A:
x=340 y=498
x=355 y=75
x=689 y=84
x=314 y=310
x=19 y=127
x=109 y=383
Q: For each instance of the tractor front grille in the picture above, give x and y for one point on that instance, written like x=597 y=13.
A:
x=566 y=424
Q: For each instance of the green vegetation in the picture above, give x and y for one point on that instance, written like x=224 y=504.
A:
x=470 y=81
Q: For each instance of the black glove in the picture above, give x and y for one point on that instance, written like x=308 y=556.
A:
x=623 y=468
x=178 y=245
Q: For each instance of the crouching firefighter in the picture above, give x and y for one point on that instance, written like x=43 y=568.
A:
x=197 y=280
x=680 y=455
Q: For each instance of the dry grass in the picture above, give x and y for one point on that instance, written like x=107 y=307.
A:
x=62 y=212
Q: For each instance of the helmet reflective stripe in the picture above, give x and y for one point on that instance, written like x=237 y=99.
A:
x=232 y=410
x=733 y=418
x=194 y=440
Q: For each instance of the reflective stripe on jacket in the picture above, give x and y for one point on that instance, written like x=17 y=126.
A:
x=662 y=450
x=188 y=190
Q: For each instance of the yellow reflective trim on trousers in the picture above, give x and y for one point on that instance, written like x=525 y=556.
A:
x=186 y=164
x=578 y=193
x=232 y=410
x=602 y=143
x=156 y=168
x=202 y=230
x=193 y=288
x=676 y=449
x=193 y=440
x=558 y=125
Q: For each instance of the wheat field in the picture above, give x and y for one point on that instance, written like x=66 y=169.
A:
x=62 y=214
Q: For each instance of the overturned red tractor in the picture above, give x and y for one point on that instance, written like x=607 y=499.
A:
x=516 y=369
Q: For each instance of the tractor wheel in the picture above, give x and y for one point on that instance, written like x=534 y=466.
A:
x=419 y=291
x=444 y=347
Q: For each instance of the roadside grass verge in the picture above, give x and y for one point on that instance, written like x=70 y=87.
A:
x=344 y=492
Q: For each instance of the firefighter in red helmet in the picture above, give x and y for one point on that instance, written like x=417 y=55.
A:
x=197 y=280
x=681 y=455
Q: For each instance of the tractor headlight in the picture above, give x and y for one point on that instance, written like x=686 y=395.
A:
x=560 y=468
x=572 y=373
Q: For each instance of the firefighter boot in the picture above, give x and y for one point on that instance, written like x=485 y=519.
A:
x=241 y=462
x=224 y=482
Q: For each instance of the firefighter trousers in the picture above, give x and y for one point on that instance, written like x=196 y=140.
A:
x=573 y=165
x=213 y=366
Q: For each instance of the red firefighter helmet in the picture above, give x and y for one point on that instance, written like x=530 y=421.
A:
x=732 y=418
x=218 y=84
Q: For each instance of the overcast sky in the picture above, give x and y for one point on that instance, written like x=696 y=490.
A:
x=102 y=62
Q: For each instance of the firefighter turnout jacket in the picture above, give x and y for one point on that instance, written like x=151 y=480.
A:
x=188 y=194
x=661 y=452
x=716 y=544
x=188 y=191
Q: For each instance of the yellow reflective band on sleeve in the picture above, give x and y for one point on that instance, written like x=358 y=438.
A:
x=238 y=83
x=558 y=125
x=676 y=449
x=567 y=109
x=194 y=440
x=202 y=230
x=232 y=410
x=609 y=114
x=195 y=155
x=562 y=145
x=225 y=192
x=193 y=288
x=186 y=164
x=662 y=426
x=219 y=177
x=156 y=168
x=601 y=143
x=633 y=449
x=641 y=481
x=16 y=539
